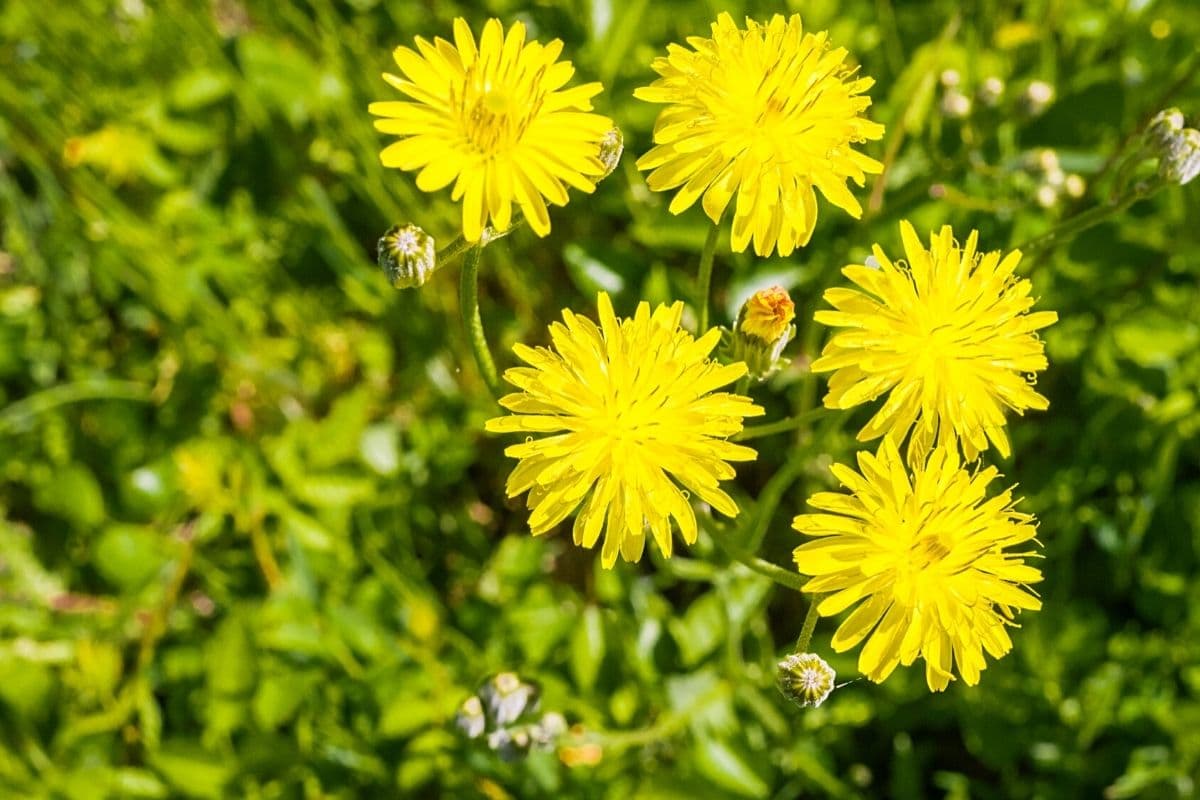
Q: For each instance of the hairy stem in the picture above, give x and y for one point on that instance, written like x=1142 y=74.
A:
x=468 y=295
x=810 y=623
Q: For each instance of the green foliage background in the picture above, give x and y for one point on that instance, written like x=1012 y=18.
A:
x=254 y=544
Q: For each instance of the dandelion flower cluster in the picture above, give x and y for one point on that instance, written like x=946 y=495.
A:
x=494 y=119
x=948 y=337
x=925 y=558
x=636 y=428
x=770 y=113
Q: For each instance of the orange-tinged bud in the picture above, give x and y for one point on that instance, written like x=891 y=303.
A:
x=767 y=314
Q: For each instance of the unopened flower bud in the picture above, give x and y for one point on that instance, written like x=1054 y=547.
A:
x=407 y=255
x=764 y=327
x=1164 y=128
x=991 y=91
x=611 y=147
x=507 y=697
x=1037 y=98
x=1075 y=186
x=1179 y=161
x=470 y=719
x=1047 y=196
x=1047 y=160
x=805 y=679
x=955 y=104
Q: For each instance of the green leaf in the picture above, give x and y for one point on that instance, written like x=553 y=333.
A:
x=587 y=648
x=199 y=88
x=191 y=770
x=700 y=630
x=73 y=493
x=726 y=767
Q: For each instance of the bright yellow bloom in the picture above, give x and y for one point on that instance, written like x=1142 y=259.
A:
x=947 y=337
x=925 y=556
x=636 y=427
x=769 y=112
x=767 y=314
x=494 y=120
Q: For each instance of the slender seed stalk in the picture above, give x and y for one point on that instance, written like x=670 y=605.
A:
x=468 y=295
x=704 y=277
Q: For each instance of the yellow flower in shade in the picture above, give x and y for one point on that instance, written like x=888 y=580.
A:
x=635 y=428
x=949 y=338
x=493 y=119
x=769 y=113
x=924 y=557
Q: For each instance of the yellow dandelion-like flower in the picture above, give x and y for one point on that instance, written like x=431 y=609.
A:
x=948 y=337
x=925 y=555
x=770 y=113
x=637 y=428
x=494 y=120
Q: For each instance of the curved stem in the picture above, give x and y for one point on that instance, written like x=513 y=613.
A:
x=704 y=278
x=810 y=623
x=784 y=577
x=1093 y=216
x=459 y=244
x=468 y=297
x=771 y=495
x=780 y=426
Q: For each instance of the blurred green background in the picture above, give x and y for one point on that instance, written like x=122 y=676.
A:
x=254 y=544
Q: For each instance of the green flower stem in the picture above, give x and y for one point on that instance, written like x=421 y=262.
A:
x=459 y=245
x=743 y=386
x=668 y=725
x=780 y=426
x=810 y=623
x=771 y=496
x=1087 y=219
x=784 y=577
x=468 y=297
x=704 y=277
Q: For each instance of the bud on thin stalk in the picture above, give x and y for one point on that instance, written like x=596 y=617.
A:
x=407 y=255
x=805 y=679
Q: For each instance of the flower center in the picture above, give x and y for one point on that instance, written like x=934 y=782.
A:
x=938 y=348
x=927 y=550
x=494 y=117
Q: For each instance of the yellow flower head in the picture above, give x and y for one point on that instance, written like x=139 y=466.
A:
x=494 y=120
x=948 y=338
x=635 y=427
x=924 y=554
x=769 y=112
x=767 y=314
